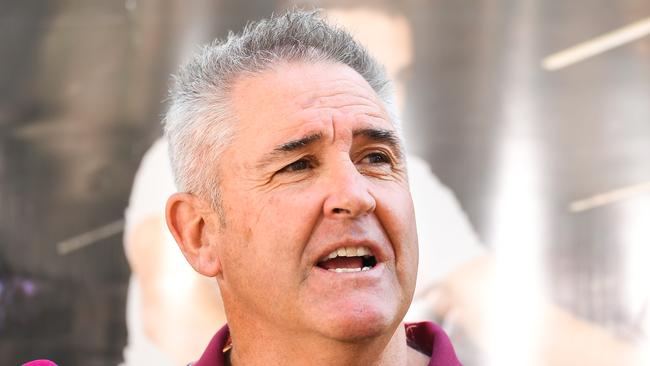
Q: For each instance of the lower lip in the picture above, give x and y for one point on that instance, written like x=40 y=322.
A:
x=373 y=272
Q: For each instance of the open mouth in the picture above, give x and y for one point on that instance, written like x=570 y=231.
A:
x=348 y=259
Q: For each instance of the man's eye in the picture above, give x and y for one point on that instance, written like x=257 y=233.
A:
x=299 y=165
x=376 y=158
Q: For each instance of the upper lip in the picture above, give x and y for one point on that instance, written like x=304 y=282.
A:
x=377 y=250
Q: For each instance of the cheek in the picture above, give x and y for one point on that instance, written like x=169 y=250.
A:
x=397 y=207
x=407 y=213
x=287 y=213
x=270 y=229
x=398 y=218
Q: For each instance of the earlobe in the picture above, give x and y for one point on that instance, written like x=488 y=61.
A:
x=186 y=219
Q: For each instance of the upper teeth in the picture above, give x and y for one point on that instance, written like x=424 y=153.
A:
x=349 y=252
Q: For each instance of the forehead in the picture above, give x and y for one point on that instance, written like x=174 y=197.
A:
x=303 y=96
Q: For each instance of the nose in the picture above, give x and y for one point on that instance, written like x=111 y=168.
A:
x=349 y=193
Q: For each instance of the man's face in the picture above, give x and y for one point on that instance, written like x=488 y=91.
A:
x=319 y=233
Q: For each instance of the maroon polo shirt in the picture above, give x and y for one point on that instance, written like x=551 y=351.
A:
x=425 y=337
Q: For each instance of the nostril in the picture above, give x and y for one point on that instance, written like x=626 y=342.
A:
x=340 y=210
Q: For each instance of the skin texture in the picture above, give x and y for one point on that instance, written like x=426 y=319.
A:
x=315 y=165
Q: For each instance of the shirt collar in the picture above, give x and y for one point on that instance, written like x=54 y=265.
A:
x=425 y=337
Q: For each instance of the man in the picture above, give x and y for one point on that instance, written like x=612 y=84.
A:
x=286 y=145
x=162 y=286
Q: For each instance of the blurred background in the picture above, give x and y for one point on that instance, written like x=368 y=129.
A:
x=549 y=156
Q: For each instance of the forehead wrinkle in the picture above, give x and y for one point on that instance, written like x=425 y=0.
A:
x=340 y=100
x=358 y=106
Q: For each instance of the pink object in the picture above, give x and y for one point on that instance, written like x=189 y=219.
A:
x=39 y=363
x=426 y=337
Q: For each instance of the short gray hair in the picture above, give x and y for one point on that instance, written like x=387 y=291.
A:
x=199 y=123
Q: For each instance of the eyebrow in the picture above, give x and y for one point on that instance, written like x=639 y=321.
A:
x=299 y=143
x=375 y=134
x=381 y=135
x=287 y=147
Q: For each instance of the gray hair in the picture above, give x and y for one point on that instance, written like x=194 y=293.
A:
x=199 y=123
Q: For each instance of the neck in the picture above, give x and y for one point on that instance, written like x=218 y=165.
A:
x=300 y=349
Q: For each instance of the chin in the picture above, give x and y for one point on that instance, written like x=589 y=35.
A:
x=357 y=323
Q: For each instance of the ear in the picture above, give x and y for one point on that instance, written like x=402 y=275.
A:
x=187 y=218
